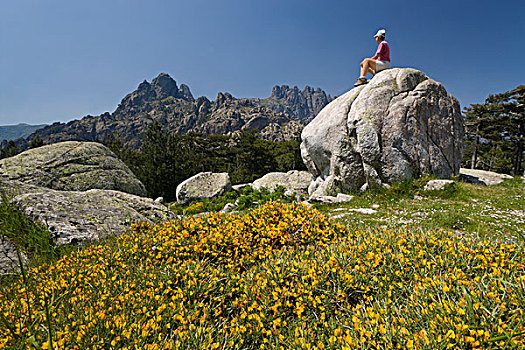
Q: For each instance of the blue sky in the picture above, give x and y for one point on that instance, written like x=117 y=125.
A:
x=61 y=60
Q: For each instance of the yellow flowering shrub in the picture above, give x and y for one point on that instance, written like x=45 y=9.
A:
x=282 y=276
x=194 y=208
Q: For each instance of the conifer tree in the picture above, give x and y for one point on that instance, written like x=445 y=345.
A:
x=36 y=142
x=495 y=132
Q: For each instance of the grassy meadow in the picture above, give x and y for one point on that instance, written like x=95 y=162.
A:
x=485 y=211
x=426 y=270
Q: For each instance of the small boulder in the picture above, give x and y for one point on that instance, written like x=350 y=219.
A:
x=203 y=185
x=323 y=199
x=340 y=198
x=482 y=177
x=294 y=180
x=228 y=207
x=437 y=185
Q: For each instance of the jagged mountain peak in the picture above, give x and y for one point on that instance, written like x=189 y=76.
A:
x=161 y=87
x=185 y=93
x=283 y=91
x=164 y=86
x=280 y=116
x=300 y=104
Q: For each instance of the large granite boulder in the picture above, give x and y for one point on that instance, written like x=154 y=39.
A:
x=71 y=166
x=76 y=216
x=203 y=185
x=294 y=181
x=401 y=124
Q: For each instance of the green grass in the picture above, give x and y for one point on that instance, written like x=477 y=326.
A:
x=487 y=211
x=31 y=239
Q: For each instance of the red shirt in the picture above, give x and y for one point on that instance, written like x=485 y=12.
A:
x=384 y=51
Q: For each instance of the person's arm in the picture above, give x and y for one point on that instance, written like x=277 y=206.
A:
x=380 y=48
x=373 y=58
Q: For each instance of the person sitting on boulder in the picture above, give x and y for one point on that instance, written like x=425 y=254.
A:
x=379 y=62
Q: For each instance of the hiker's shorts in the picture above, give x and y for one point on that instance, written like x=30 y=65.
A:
x=382 y=65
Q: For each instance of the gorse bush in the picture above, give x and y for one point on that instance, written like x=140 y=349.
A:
x=281 y=276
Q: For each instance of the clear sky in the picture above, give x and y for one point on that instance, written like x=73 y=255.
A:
x=61 y=60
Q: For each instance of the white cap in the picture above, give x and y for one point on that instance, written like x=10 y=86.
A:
x=380 y=33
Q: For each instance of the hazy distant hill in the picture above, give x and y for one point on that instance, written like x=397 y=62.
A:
x=279 y=117
x=13 y=132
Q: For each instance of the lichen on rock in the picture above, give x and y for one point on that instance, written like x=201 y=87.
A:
x=72 y=166
x=77 y=216
x=203 y=185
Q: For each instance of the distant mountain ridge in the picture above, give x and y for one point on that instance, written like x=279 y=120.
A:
x=13 y=132
x=279 y=117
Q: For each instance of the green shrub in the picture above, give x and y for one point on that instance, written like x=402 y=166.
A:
x=246 y=198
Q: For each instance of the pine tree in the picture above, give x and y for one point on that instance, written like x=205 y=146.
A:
x=36 y=142
x=511 y=116
x=495 y=132
x=10 y=150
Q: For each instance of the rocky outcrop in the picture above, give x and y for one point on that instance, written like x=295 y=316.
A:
x=203 y=185
x=293 y=181
x=401 y=124
x=77 y=216
x=162 y=87
x=279 y=133
x=300 y=105
x=71 y=166
x=277 y=118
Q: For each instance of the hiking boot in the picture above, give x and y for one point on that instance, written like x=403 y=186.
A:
x=360 y=81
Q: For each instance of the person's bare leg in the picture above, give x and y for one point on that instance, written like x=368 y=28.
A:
x=367 y=66
x=372 y=65
x=364 y=68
